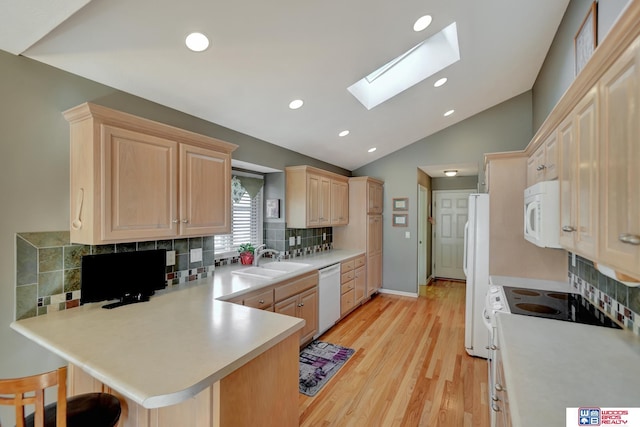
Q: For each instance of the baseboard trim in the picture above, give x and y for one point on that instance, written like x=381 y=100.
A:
x=400 y=293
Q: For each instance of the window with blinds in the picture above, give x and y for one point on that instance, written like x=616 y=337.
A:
x=246 y=226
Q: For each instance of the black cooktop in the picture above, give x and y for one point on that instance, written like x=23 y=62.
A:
x=564 y=306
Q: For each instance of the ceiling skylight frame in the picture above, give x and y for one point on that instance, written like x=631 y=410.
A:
x=408 y=69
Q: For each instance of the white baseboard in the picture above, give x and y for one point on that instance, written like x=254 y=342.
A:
x=401 y=293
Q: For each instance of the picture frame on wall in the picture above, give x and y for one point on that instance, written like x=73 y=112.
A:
x=401 y=204
x=400 y=220
x=273 y=208
x=586 y=38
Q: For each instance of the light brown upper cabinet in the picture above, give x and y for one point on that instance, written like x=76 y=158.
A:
x=315 y=198
x=542 y=165
x=374 y=197
x=578 y=136
x=619 y=242
x=133 y=179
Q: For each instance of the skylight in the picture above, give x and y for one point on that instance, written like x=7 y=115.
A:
x=421 y=61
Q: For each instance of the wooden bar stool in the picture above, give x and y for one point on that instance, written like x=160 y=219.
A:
x=84 y=410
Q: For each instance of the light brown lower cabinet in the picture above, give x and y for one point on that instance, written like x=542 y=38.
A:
x=224 y=403
x=304 y=306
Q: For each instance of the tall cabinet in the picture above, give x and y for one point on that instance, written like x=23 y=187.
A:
x=364 y=231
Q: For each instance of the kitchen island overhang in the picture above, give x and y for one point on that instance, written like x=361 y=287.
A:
x=165 y=351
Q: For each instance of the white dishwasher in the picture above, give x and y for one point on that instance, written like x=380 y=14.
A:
x=328 y=298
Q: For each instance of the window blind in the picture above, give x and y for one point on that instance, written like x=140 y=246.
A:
x=246 y=225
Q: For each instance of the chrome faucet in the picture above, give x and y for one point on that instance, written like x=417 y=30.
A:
x=259 y=252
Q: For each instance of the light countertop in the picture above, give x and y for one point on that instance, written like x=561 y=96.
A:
x=168 y=349
x=551 y=365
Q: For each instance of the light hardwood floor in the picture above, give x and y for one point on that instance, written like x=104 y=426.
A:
x=409 y=369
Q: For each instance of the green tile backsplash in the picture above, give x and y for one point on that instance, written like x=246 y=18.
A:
x=48 y=268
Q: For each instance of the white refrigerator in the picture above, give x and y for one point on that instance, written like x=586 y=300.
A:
x=476 y=268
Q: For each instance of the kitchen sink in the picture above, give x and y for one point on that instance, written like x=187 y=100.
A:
x=271 y=269
x=285 y=266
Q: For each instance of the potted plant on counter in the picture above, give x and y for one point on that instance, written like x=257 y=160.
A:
x=246 y=253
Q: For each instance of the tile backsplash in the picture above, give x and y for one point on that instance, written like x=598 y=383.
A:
x=48 y=267
x=618 y=301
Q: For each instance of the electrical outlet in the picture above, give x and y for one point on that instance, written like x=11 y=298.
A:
x=324 y=236
x=171 y=258
x=196 y=255
x=292 y=241
x=298 y=240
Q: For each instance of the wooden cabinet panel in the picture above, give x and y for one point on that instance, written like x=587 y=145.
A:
x=133 y=179
x=315 y=198
x=360 y=283
x=578 y=178
x=304 y=306
x=347 y=302
x=339 y=203
x=619 y=233
x=261 y=299
x=374 y=273
x=542 y=165
x=374 y=197
x=140 y=192
x=296 y=285
x=203 y=185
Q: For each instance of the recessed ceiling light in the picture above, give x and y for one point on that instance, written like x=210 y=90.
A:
x=197 y=42
x=448 y=113
x=440 y=82
x=422 y=23
x=344 y=133
x=295 y=104
x=451 y=173
x=372 y=149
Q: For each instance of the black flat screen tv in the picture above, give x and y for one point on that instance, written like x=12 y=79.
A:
x=128 y=277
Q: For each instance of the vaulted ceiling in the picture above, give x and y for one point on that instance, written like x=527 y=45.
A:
x=262 y=55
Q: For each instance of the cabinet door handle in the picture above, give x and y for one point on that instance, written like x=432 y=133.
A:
x=175 y=221
x=261 y=301
x=568 y=229
x=499 y=387
x=541 y=167
x=185 y=221
x=495 y=408
x=631 y=239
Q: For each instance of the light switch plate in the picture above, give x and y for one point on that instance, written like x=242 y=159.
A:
x=196 y=255
x=298 y=240
x=292 y=241
x=324 y=236
x=171 y=258
x=407 y=234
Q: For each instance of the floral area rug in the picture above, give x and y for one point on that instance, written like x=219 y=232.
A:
x=319 y=361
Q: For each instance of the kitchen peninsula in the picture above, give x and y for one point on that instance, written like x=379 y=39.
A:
x=186 y=357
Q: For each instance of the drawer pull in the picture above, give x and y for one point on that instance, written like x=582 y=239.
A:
x=630 y=239
x=568 y=229
x=541 y=167
x=261 y=301
x=499 y=387
x=495 y=408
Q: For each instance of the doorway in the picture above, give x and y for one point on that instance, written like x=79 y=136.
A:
x=450 y=212
x=424 y=212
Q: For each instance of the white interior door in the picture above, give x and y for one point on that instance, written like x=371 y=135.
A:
x=451 y=211
x=423 y=215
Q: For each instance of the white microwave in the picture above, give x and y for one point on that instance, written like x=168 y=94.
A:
x=542 y=214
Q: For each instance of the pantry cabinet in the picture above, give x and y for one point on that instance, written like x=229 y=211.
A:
x=133 y=179
x=578 y=136
x=619 y=242
x=315 y=198
x=364 y=231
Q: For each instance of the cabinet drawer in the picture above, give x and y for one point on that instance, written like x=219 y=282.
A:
x=349 y=275
x=347 y=301
x=360 y=261
x=296 y=285
x=347 y=286
x=347 y=266
x=261 y=300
